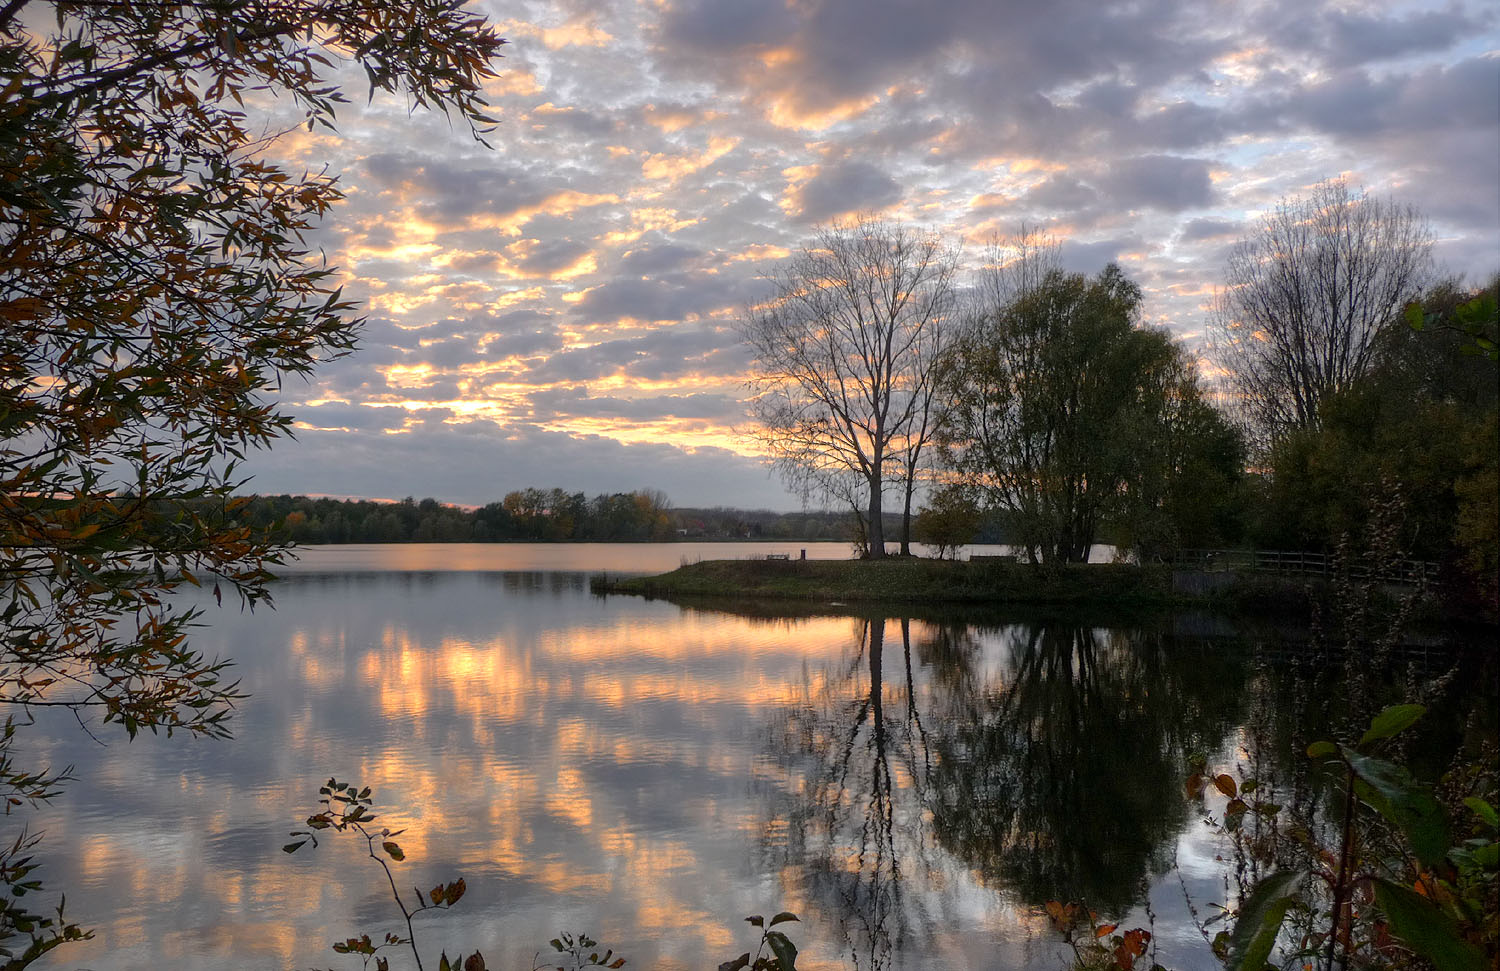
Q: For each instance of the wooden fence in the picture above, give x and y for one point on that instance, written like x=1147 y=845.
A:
x=1405 y=572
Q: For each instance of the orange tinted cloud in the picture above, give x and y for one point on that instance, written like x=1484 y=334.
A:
x=564 y=203
x=577 y=32
x=669 y=166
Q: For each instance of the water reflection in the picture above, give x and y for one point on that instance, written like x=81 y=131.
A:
x=1061 y=778
x=1035 y=761
x=859 y=759
x=644 y=772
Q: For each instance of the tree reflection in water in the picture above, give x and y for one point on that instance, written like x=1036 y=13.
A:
x=1063 y=779
x=859 y=758
x=1044 y=761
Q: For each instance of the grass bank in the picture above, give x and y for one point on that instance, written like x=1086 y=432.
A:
x=895 y=580
x=777 y=587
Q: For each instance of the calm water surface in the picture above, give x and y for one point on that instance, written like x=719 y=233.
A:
x=648 y=774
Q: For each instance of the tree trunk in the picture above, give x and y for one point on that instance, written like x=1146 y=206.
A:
x=877 y=521
x=906 y=516
x=861 y=533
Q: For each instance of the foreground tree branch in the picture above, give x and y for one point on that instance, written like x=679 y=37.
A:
x=155 y=290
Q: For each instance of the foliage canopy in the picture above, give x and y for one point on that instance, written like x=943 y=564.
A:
x=1070 y=418
x=155 y=289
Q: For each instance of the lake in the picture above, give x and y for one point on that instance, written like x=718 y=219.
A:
x=648 y=774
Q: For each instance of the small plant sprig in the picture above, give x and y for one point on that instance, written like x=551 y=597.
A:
x=1096 y=946
x=581 y=952
x=783 y=953
x=348 y=807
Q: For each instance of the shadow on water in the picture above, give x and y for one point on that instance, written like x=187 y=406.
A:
x=1043 y=760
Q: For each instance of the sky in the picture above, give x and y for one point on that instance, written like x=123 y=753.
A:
x=559 y=310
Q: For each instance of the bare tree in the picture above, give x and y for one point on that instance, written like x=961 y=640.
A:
x=921 y=427
x=844 y=347
x=1306 y=295
x=1013 y=266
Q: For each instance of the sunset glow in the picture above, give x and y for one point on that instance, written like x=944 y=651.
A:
x=557 y=310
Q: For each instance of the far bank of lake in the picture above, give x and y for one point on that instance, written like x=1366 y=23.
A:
x=613 y=559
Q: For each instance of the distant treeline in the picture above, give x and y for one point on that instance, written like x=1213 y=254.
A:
x=537 y=515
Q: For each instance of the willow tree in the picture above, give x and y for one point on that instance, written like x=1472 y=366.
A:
x=846 y=348
x=1069 y=417
x=154 y=292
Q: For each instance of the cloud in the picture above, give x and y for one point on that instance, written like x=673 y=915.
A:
x=664 y=298
x=841 y=189
x=727 y=25
x=1351 y=36
x=1195 y=230
x=654 y=355
x=1090 y=258
x=1061 y=191
x=577 y=401
x=653 y=160
x=496 y=460
x=654 y=256
x=546 y=257
x=1159 y=181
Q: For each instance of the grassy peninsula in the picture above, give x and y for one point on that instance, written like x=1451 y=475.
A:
x=904 y=580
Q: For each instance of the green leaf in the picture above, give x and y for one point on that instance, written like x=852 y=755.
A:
x=1392 y=721
x=783 y=917
x=1420 y=925
x=393 y=850
x=294 y=847
x=1261 y=914
x=786 y=951
x=756 y=921
x=1391 y=791
x=1322 y=750
x=738 y=964
x=1484 y=811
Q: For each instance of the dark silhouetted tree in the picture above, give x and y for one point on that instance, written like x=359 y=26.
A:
x=1306 y=296
x=1066 y=415
x=844 y=352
